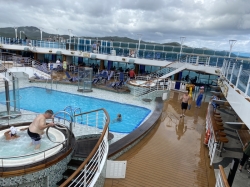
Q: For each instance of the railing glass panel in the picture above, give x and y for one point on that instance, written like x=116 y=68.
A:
x=177 y=49
x=243 y=79
x=159 y=47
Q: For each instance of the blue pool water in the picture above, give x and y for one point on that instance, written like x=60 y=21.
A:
x=38 y=100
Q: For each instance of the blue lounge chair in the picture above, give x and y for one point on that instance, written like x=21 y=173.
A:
x=38 y=77
x=120 y=82
x=103 y=77
x=72 y=79
x=96 y=80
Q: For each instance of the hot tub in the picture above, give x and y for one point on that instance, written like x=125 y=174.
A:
x=21 y=146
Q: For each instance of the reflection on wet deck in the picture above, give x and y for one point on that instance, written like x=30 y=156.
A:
x=172 y=154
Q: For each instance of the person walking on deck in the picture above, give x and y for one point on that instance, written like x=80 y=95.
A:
x=200 y=97
x=246 y=155
x=184 y=103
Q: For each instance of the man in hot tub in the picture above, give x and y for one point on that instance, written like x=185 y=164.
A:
x=36 y=128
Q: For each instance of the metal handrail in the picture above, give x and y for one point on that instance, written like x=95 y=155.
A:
x=70 y=121
x=51 y=83
x=221 y=179
x=84 y=165
x=57 y=127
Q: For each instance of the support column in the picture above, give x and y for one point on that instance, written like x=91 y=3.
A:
x=197 y=60
x=35 y=56
x=101 y=64
x=64 y=57
x=7 y=96
x=136 y=69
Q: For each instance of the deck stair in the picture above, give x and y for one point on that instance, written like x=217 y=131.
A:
x=158 y=81
x=84 y=146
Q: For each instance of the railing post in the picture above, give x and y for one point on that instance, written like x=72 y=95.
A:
x=222 y=68
x=99 y=156
x=248 y=82
x=238 y=76
x=87 y=119
x=231 y=77
x=96 y=121
x=85 y=177
x=228 y=68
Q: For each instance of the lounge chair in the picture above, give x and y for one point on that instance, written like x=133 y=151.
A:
x=96 y=80
x=120 y=82
x=111 y=75
x=117 y=85
x=72 y=79
x=103 y=77
x=38 y=77
x=59 y=68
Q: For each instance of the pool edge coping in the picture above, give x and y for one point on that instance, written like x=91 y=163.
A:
x=124 y=144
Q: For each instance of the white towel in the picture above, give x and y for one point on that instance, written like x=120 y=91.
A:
x=13 y=130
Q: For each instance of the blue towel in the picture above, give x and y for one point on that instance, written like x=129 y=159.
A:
x=199 y=99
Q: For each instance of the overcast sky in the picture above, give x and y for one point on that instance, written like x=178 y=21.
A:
x=204 y=23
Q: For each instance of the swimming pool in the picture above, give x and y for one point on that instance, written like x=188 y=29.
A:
x=38 y=100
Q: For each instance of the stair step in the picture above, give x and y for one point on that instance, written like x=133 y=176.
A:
x=75 y=163
x=68 y=172
x=62 y=181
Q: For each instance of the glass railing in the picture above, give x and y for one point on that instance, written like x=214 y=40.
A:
x=145 y=51
x=239 y=75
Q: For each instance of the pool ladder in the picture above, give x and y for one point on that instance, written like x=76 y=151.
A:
x=73 y=112
x=62 y=126
x=51 y=82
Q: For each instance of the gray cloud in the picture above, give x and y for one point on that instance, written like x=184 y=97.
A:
x=205 y=23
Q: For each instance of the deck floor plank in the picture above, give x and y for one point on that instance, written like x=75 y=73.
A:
x=172 y=154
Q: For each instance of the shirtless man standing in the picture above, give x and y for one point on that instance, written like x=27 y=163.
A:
x=184 y=103
x=36 y=128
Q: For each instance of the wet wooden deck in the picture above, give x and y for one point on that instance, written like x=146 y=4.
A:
x=172 y=154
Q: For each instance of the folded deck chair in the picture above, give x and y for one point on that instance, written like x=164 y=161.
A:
x=96 y=80
x=104 y=77
x=110 y=75
x=117 y=85
x=38 y=77
x=120 y=82
x=72 y=79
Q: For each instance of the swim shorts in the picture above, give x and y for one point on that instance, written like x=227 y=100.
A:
x=184 y=106
x=34 y=136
